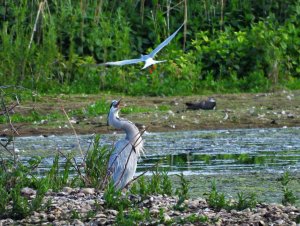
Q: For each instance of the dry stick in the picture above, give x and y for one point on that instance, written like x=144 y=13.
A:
x=86 y=153
x=8 y=116
x=13 y=129
x=142 y=10
x=168 y=16
x=5 y=147
x=9 y=109
x=142 y=174
x=75 y=166
x=132 y=149
x=74 y=131
x=185 y=24
x=173 y=7
x=139 y=133
x=222 y=15
x=41 y=8
x=98 y=11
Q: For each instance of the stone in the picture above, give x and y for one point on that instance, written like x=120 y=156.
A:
x=88 y=191
x=51 y=217
x=67 y=190
x=77 y=222
x=167 y=217
x=28 y=192
x=112 y=212
x=100 y=215
x=101 y=221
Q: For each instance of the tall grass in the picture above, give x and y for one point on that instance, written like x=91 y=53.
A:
x=235 y=45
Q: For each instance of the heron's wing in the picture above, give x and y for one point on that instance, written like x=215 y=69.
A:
x=122 y=62
x=120 y=154
x=122 y=163
x=164 y=43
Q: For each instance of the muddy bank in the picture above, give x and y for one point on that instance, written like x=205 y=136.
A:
x=263 y=110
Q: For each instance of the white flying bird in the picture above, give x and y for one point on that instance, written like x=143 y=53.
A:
x=147 y=58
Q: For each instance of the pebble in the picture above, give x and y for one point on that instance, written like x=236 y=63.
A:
x=67 y=190
x=28 y=191
x=88 y=191
x=85 y=200
x=113 y=212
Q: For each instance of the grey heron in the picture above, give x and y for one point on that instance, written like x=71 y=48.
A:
x=148 y=59
x=123 y=161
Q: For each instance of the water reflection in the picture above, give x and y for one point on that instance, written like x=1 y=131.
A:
x=193 y=152
x=243 y=160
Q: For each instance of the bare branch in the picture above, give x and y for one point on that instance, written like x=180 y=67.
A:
x=74 y=131
x=41 y=8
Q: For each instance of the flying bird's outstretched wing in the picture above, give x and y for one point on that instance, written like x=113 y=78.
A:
x=123 y=62
x=164 y=43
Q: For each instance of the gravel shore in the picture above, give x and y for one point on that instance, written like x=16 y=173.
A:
x=74 y=206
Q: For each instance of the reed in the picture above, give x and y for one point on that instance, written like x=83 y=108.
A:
x=46 y=45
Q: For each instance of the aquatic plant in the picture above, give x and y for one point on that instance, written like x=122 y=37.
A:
x=158 y=183
x=216 y=199
x=245 y=201
x=288 y=195
x=182 y=192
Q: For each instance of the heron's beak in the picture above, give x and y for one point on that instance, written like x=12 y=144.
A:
x=118 y=103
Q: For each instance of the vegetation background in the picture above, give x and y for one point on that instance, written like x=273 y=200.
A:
x=226 y=46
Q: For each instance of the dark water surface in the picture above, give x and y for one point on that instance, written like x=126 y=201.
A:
x=249 y=160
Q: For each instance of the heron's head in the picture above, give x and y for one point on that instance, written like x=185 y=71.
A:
x=114 y=109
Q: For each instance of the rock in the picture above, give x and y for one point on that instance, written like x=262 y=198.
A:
x=154 y=212
x=67 y=190
x=112 y=212
x=280 y=222
x=80 y=194
x=62 y=193
x=193 y=204
x=77 y=222
x=100 y=215
x=51 y=217
x=28 y=192
x=101 y=221
x=88 y=191
x=167 y=217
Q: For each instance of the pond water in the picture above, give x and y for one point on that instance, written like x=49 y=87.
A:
x=239 y=159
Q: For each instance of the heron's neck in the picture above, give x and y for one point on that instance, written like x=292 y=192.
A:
x=132 y=132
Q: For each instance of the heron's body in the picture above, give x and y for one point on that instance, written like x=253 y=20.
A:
x=148 y=59
x=123 y=161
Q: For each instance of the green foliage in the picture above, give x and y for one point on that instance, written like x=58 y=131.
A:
x=245 y=201
x=114 y=198
x=12 y=179
x=239 y=46
x=55 y=178
x=288 y=195
x=194 y=218
x=182 y=192
x=96 y=165
x=158 y=183
x=216 y=199
x=133 y=217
